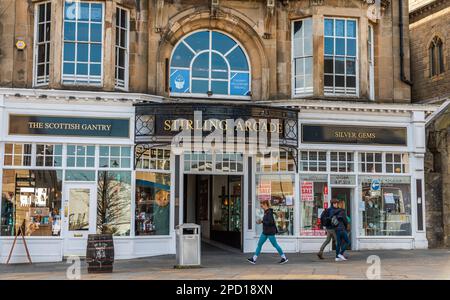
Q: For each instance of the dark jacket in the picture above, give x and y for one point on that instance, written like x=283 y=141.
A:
x=342 y=218
x=329 y=214
x=268 y=221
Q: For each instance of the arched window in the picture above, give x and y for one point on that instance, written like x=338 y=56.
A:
x=209 y=63
x=436 y=54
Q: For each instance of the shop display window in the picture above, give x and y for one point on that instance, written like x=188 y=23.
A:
x=33 y=196
x=48 y=155
x=217 y=162
x=114 y=202
x=80 y=156
x=79 y=175
x=313 y=161
x=115 y=157
x=279 y=191
x=385 y=207
x=18 y=155
x=152 y=203
x=313 y=201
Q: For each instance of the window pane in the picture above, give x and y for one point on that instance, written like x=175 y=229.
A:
x=219 y=87
x=328 y=64
x=200 y=86
x=340 y=46
x=198 y=41
x=96 y=53
x=329 y=27
x=238 y=60
x=152 y=203
x=351 y=28
x=351 y=47
x=182 y=56
x=200 y=67
x=96 y=12
x=221 y=42
x=82 y=52
x=329 y=46
x=83 y=32
x=339 y=66
x=114 y=203
x=340 y=25
x=96 y=32
x=69 y=31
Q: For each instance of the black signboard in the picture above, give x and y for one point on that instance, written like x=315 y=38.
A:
x=354 y=135
x=68 y=126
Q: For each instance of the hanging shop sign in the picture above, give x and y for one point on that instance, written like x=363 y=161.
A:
x=68 y=126
x=307 y=191
x=354 y=135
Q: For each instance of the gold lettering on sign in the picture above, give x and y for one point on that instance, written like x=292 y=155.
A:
x=69 y=126
x=353 y=135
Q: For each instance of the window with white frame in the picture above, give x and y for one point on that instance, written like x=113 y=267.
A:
x=115 y=157
x=302 y=64
x=42 y=43
x=340 y=56
x=122 y=29
x=209 y=63
x=80 y=156
x=153 y=159
x=397 y=163
x=275 y=161
x=213 y=162
x=48 y=155
x=83 y=39
x=342 y=162
x=371 y=162
x=18 y=154
x=313 y=161
x=370 y=57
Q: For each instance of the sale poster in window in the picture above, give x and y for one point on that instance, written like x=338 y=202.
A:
x=307 y=189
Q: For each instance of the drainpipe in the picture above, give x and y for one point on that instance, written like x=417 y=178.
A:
x=402 y=54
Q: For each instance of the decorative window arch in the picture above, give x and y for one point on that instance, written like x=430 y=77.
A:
x=210 y=63
x=436 y=53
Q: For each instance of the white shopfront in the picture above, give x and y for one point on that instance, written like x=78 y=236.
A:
x=380 y=186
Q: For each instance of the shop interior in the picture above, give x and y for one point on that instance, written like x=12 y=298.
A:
x=215 y=203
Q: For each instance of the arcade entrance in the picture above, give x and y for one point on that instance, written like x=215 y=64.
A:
x=215 y=202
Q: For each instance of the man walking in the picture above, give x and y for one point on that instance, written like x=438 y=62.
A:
x=325 y=220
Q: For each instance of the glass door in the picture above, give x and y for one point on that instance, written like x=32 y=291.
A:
x=79 y=217
x=345 y=196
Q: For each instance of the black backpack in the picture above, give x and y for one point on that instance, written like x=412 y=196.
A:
x=325 y=220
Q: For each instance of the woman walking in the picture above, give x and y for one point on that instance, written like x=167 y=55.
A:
x=269 y=231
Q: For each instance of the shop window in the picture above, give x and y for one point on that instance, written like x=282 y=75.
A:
x=114 y=203
x=279 y=191
x=302 y=64
x=17 y=155
x=340 y=57
x=80 y=156
x=82 y=43
x=342 y=162
x=217 y=162
x=387 y=208
x=436 y=57
x=371 y=60
x=313 y=198
x=153 y=159
x=275 y=161
x=33 y=196
x=313 y=161
x=79 y=175
x=371 y=162
x=397 y=163
x=152 y=203
x=48 y=155
x=115 y=157
x=42 y=43
x=209 y=63
x=122 y=31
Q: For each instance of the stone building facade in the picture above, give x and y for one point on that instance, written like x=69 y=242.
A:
x=94 y=93
x=430 y=58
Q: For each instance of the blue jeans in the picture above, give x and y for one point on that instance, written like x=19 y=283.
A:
x=340 y=247
x=263 y=238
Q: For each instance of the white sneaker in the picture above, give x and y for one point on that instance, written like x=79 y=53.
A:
x=342 y=257
x=338 y=259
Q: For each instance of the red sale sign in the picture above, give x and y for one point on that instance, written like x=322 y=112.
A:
x=307 y=191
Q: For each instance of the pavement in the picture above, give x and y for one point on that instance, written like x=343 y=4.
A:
x=223 y=263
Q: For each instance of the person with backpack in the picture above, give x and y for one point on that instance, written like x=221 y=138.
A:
x=269 y=231
x=325 y=221
x=340 y=222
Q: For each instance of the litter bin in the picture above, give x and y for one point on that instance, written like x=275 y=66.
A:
x=188 y=245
